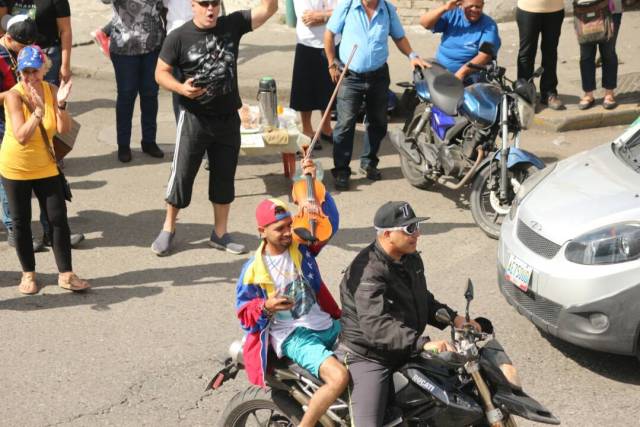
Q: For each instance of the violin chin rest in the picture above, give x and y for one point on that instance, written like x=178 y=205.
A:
x=305 y=234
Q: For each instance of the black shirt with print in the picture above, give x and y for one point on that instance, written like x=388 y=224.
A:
x=209 y=56
x=45 y=13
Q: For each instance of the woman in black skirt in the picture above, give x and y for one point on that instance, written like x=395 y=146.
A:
x=311 y=85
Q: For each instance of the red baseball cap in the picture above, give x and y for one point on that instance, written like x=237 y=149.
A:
x=270 y=211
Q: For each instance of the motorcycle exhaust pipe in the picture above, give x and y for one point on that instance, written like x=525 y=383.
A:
x=303 y=400
x=469 y=174
x=398 y=139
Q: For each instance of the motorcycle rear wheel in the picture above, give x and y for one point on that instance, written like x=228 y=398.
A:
x=482 y=210
x=255 y=407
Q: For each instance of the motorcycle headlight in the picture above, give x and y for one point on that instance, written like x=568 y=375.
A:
x=528 y=185
x=526 y=112
x=607 y=245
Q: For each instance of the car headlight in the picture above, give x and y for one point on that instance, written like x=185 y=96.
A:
x=528 y=185
x=607 y=245
x=526 y=112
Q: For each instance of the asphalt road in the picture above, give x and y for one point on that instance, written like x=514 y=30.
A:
x=141 y=346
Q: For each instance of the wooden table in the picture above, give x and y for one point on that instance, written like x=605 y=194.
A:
x=251 y=146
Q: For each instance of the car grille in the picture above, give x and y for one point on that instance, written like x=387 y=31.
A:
x=536 y=305
x=535 y=242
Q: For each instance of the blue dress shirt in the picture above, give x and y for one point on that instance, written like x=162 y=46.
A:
x=461 y=39
x=350 y=19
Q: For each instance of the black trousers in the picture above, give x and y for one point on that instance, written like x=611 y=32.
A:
x=530 y=26
x=50 y=195
x=609 y=60
x=219 y=137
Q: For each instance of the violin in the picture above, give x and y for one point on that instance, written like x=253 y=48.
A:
x=310 y=225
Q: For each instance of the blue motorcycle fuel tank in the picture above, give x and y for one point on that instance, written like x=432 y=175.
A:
x=481 y=103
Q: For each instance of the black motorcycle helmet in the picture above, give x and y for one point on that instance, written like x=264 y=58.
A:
x=525 y=89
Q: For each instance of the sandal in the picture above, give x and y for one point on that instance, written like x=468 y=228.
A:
x=586 y=102
x=609 y=102
x=73 y=283
x=28 y=285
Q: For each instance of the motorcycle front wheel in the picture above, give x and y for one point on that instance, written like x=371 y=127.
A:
x=486 y=209
x=255 y=407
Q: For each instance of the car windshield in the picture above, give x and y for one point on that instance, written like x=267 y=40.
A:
x=629 y=152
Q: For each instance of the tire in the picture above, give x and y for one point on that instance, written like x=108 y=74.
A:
x=411 y=171
x=482 y=209
x=256 y=407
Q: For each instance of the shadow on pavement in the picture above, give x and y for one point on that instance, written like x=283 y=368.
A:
x=81 y=107
x=83 y=166
x=250 y=51
x=98 y=299
x=624 y=369
x=141 y=228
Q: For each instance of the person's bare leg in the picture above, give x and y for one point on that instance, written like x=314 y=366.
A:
x=170 y=218
x=305 y=119
x=221 y=218
x=336 y=379
x=326 y=126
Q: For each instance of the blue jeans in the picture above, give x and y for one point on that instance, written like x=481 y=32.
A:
x=135 y=74
x=55 y=55
x=372 y=88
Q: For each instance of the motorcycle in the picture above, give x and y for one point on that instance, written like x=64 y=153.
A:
x=461 y=388
x=451 y=136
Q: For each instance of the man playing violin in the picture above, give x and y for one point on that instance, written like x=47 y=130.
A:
x=283 y=303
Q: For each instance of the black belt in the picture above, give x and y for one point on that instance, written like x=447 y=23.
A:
x=369 y=74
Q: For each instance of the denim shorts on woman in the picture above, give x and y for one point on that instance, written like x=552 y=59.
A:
x=309 y=348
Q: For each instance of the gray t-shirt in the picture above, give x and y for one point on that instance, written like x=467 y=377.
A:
x=137 y=27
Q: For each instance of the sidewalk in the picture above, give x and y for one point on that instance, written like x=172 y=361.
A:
x=269 y=51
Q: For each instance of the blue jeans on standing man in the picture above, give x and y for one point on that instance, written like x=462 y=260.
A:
x=135 y=74
x=372 y=88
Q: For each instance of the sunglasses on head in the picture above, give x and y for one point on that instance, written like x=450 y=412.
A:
x=213 y=3
x=407 y=229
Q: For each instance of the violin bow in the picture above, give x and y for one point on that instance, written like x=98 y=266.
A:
x=327 y=111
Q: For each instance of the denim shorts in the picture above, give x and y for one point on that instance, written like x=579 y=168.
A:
x=309 y=348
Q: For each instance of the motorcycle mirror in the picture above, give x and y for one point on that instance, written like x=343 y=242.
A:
x=468 y=295
x=487 y=48
x=538 y=72
x=442 y=316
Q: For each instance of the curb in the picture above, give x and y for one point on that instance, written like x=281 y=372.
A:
x=569 y=120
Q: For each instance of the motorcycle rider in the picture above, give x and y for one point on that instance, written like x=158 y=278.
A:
x=282 y=301
x=385 y=309
x=464 y=29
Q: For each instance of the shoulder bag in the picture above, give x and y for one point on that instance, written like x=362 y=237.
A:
x=592 y=21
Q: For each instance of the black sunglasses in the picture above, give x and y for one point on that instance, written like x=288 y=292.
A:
x=213 y=3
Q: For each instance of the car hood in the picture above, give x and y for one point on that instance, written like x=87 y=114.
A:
x=584 y=192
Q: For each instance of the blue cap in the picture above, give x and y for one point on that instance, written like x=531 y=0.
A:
x=30 y=57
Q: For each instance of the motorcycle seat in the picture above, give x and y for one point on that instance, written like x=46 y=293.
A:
x=445 y=88
x=286 y=363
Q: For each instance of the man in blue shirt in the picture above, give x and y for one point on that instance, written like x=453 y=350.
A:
x=463 y=29
x=367 y=24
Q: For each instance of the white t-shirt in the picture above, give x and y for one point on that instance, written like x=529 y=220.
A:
x=305 y=313
x=178 y=12
x=312 y=36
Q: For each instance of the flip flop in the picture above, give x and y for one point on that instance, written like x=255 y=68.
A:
x=74 y=283
x=28 y=285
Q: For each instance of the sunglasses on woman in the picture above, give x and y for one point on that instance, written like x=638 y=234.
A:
x=212 y=3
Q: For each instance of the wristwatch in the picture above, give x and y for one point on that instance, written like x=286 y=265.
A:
x=413 y=55
x=63 y=106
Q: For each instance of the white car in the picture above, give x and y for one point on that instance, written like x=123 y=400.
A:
x=569 y=251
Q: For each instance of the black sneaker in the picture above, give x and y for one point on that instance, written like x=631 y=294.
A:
x=341 y=181
x=153 y=150
x=372 y=173
x=38 y=245
x=124 y=154
x=74 y=238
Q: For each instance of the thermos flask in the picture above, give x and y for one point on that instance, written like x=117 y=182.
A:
x=268 y=102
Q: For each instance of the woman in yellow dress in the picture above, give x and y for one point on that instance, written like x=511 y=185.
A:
x=27 y=165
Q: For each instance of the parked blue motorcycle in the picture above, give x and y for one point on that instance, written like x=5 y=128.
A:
x=452 y=137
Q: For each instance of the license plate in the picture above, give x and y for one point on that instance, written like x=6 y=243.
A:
x=518 y=272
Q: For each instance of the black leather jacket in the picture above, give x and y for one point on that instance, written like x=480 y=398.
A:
x=386 y=306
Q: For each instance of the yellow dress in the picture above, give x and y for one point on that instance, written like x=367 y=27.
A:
x=31 y=160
